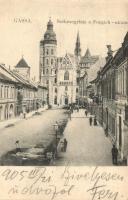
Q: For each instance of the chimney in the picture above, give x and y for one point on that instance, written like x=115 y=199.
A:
x=109 y=53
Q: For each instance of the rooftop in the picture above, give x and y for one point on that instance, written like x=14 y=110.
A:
x=22 y=64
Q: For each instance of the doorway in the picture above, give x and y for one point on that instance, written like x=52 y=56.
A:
x=66 y=100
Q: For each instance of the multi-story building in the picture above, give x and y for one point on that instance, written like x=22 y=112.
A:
x=112 y=79
x=30 y=95
x=7 y=94
x=18 y=93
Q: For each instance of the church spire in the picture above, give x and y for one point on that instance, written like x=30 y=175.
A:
x=77 y=50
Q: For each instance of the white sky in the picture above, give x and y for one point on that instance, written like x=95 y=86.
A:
x=23 y=38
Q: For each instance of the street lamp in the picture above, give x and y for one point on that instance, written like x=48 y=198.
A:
x=56 y=126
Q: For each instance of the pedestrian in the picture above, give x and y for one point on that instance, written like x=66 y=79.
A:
x=17 y=143
x=90 y=120
x=86 y=113
x=114 y=154
x=65 y=144
x=24 y=115
x=62 y=146
x=95 y=121
x=69 y=114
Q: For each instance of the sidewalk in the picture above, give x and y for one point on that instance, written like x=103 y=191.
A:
x=15 y=120
x=87 y=145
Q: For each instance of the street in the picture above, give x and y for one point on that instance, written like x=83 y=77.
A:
x=31 y=132
x=86 y=145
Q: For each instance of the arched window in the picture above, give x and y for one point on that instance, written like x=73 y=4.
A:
x=43 y=71
x=47 y=62
x=52 y=51
x=66 y=75
x=51 y=61
x=47 y=52
x=55 y=80
x=55 y=90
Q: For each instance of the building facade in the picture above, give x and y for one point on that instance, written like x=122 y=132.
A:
x=18 y=93
x=7 y=94
x=113 y=83
x=58 y=74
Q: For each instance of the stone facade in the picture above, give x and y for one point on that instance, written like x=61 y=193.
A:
x=58 y=74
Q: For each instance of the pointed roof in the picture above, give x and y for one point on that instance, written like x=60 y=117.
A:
x=126 y=37
x=78 y=38
x=87 y=54
x=88 y=59
x=22 y=64
x=77 y=50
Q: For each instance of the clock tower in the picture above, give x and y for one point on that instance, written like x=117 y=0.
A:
x=47 y=65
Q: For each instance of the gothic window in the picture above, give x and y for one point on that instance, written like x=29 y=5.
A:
x=55 y=90
x=66 y=88
x=43 y=71
x=76 y=89
x=52 y=51
x=66 y=75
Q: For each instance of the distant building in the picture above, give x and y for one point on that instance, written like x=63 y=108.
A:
x=66 y=80
x=18 y=93
x=23 y=68
x=57 y=74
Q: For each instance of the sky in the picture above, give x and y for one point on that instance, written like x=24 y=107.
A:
x=17 y=39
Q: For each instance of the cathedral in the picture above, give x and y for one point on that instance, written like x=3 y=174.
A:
x=61 y=75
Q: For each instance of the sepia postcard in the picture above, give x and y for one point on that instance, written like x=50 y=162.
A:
x=63 y=100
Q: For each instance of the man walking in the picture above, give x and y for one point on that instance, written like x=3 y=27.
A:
x=90 y=120
x=65 y=144
x=114 y=154
x=86 y=113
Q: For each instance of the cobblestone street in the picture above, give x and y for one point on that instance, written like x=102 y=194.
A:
x=86 y=145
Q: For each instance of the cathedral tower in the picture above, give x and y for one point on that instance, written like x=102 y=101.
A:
x=77 y=50
x=47 y=69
